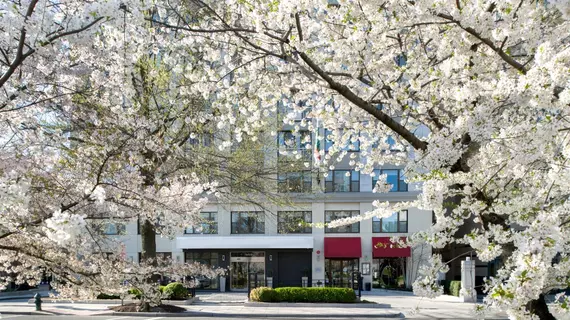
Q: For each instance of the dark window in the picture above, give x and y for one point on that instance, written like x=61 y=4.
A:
x=342 y=181
x=295 y=141
x=341 y=273
x=294 y=222
x=112 y=228
x=295 y=182
x=353 y=144
x=294 y=151
x=395 y=177
x=335 y=215
x=208 y=224
x=397 y=222
x=207 y=258
x=244 y=222
x=201 y=140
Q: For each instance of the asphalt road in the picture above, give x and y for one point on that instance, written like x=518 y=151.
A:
x=35 y=317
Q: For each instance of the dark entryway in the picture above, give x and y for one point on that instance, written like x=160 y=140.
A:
x=389 y=272
x=292 y=267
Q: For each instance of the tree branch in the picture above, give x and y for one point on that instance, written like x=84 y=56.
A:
x=508 y=59
x=367 y=106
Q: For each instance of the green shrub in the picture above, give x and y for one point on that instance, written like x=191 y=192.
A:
x=454 y=288
x=105 y=296
x=175 y=291
x=297 y=294
x=161 y=288
x=135 y=292
x=263 y=294
x=401 y=281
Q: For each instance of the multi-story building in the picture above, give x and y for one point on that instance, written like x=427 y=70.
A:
x=291 y=245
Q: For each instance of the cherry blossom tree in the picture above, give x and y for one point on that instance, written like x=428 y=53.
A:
x=99 y=127
x=474 y=95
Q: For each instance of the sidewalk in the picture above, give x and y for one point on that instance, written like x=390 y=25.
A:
x=393 y=304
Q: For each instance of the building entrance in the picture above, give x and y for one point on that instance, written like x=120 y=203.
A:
x=243 y=264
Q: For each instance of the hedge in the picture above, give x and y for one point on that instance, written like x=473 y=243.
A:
x=297 y=294
x=454 y=288
x=175 y=291
x=104 y=296
x=172 y=291
x=263 y=294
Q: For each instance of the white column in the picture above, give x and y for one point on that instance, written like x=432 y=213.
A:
x=467 y=293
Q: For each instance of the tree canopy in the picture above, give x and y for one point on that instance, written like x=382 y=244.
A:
x=471 y=96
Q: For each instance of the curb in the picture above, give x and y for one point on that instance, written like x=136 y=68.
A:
x=397 y=315
x=47 y=301
x=34 y=313
x=317 y=305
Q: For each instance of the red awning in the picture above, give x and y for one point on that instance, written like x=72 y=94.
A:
x=343 y=247
x=382 y=247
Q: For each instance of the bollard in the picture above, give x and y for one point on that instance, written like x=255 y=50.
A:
x=38 y=301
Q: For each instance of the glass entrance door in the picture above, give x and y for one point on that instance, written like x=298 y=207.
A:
x=238 y=276
x=244 y=266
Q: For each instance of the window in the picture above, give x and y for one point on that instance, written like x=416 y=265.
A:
x=353 y=144
x=113 y=228
x=207 y=258
x=342 y=181
x=294 y=221
x=202 y=139
x=295 y=182
x=208 y=224
x=334 y=215
x=397 y=222
x=295 y=148
x=395 y=177
x=341 y=272
x=244 y=222
x=295 y=141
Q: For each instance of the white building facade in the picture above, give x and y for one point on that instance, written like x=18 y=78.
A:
x=291 y=246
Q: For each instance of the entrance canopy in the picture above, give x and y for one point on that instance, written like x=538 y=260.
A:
x=382 y=247
x=345 y=247
x=245 y=242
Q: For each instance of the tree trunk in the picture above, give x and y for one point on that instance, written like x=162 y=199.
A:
x=540 y=308
x=148 y=239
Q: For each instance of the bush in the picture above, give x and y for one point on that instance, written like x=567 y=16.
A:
x=296 y=294
x=105 y=296
x=263 y=294
x=454 y=288
x=401 y=281
x=175 y=291
x=135 y=292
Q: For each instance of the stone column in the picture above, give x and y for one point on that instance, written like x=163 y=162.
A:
x=467 y=293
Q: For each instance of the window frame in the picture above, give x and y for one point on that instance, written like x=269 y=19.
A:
x=284 y=182
x=377 y=225
x=281 y=222
x=402 y=186
x=120 y=227
x=337 y=229
x=213 y=223
x=258 y=222
x=331 y=179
